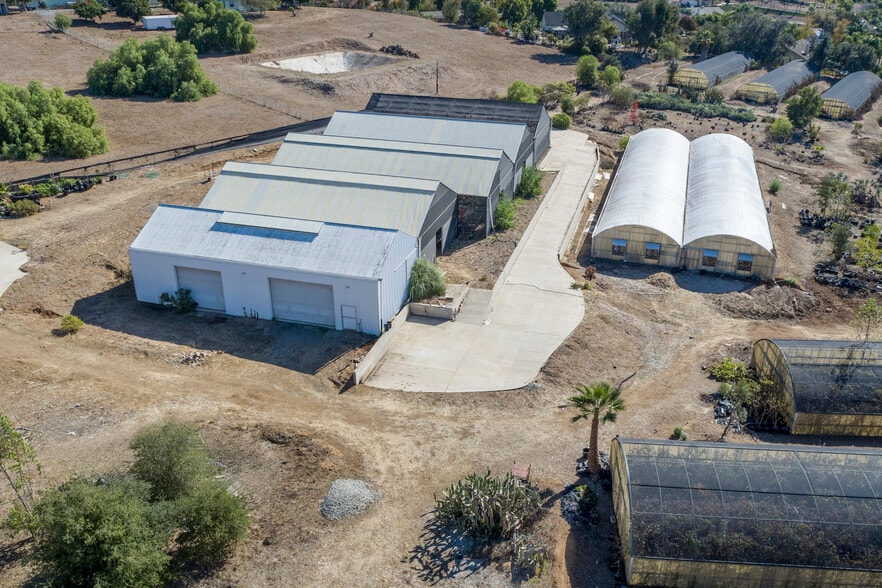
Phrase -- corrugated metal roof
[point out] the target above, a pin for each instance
(788, 75)
(295, 225)
(198, 232)
(465, 170)
(328, 196)
(723, 192)
(854, 89)
(649, 188)
(722, 66)
(420, 129)
(467, 108)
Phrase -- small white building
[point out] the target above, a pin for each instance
(160, 22)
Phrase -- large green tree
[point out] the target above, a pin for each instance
(585, 18)
(212, 27)
(651, 21)
(172, 459)
(513, 11)
(131, 9)
(600, 403)
(90, 10)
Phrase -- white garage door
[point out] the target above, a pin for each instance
(205, 287)
(302, 302)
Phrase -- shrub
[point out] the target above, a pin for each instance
(100, 534)
(567, 105)
(212, 522)
(62, 21)
(22, 208)
(493, 28)
(36, 122)
(172, 459)
(71, 323)
(181, 302)
(775, 186)
(161, 68)
(623, 143)
(488, 507)
(209, 26)
(623, 97)
(729, 370)
(792, 282)
(90, 10)
(520, 91)
(840, 239)
(426, 280)
(782, 129)
(663, 101)
(505, 214)
(556, 92)
(714, 96)
(561, 121)
(48, 189)
(679, 434)
(586, 71)
(530, 185)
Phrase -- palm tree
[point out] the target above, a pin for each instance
(601, 402)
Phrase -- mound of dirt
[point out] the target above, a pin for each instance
(662, 280)
(764, 303)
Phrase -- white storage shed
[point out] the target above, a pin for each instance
(477, 175)
(327, 274)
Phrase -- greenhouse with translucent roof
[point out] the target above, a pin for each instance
(720, 515)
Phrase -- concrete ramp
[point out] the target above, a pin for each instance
(11, 259)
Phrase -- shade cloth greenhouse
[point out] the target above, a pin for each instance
(718, 514)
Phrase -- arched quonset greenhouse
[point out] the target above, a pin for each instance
(778, 84)
(710, 72)
(642, 217)
(851, 95)
(726, 229)
(721, 515)
(827, 387)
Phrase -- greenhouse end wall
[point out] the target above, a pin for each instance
(866, 425)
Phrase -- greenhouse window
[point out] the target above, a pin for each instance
(709, 257)
(653, 250)
(745, 262)
(619, 246)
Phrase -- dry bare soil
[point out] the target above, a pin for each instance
(264, 398)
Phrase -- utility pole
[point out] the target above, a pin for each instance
(437, 77)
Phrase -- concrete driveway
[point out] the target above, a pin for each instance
(11, 258)
(530, 312)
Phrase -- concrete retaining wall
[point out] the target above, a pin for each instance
(370, 362)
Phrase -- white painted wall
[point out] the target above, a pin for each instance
(247, 291)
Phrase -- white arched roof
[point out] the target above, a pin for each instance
(724, 195)
(649, 188)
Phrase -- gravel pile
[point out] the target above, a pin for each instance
(347, 498)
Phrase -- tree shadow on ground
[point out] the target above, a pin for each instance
(562, 59)
(591, 543)
(693, 280)
(12, 553)
(444, 553)
(301, 348)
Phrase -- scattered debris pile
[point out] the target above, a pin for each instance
(813, 220)
(850, 277)
(193, 358)
(399, 51)
(347, 498)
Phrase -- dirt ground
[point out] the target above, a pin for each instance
(265, 398)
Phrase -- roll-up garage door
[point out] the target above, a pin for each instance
(302, 302)
(205, 287)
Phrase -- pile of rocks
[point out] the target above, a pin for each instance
(347, 498)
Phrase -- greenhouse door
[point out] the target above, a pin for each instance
(301, 302)
(205, 287)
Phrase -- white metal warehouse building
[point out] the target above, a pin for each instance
(696, 206)
(332, 275)
(310, 246)
(514, 139)
(477, 175)
(533, 115)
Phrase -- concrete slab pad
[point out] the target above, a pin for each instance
(527, 318)
(11, 259)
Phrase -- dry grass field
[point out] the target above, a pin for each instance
(264, 399)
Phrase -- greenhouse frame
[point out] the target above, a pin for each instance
(698, 514)
(851, 95)
(694, 206)
(778, 84)
(827, 387)
(710, 72)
